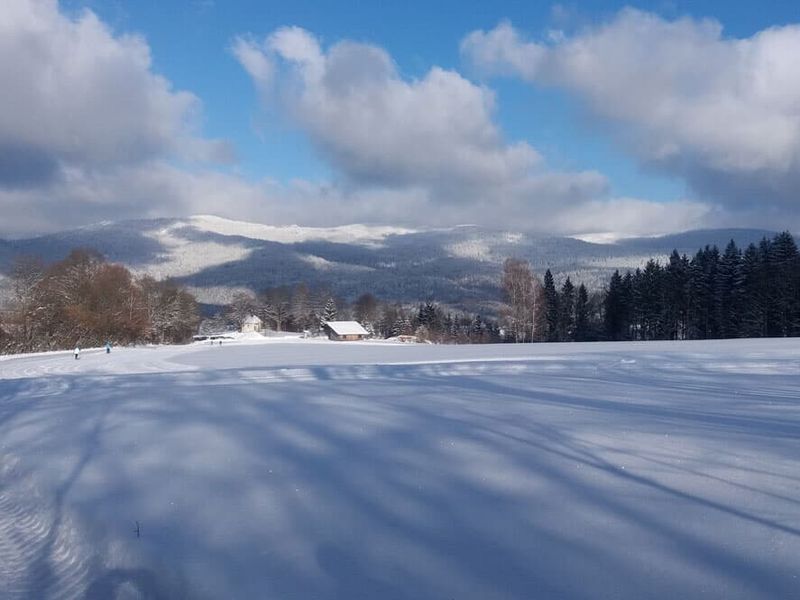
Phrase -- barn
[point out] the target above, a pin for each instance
(345, 331)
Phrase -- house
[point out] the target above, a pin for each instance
(252, 324)
(345, 331)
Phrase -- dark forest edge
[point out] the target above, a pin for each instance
(733, 294)
(83, 300)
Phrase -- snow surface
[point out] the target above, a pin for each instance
(297, 469)
(353, 234)
(182, 256)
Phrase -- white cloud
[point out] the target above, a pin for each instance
(378, 128)
(624, 217)
(75, 95)
(722, 113)
(80, 110)
(503, 51)
(157, 189)
(413, 151)
(89, 132)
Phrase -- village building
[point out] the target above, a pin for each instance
(252, 324)
(345, 331)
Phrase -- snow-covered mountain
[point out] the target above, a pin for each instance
(459, 266)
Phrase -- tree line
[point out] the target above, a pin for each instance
(84, 300)
(301, 308)
(729, 294)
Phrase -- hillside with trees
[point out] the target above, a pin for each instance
(460, 267)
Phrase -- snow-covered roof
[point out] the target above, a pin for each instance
(252, 320)
(347, 328)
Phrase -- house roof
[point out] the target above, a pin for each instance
(346, 328)
(252, 320)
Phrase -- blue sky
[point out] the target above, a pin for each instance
(569, 122)
(190, 40)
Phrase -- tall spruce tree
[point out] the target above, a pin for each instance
(627, 305)
(676, 279)
(581, 314)
(751, 296)
(329, 311)
(726, 292)
(702, 276)
(551, 306)
(650, 301)
(566, 312)
(614, 309)
(782, 259)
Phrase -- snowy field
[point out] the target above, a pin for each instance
(317, 470)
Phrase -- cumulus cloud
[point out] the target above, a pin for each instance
(80, 103)
(376, 127)
(426, 149)
(88, 132)
(722, 113)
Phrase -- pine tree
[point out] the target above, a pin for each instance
(582, 314)
(782, 259)
(477, 328)
(427, 315)
(329, 311)
(566, 312)
(726, 292)
(650, 301)
(407, 327)
(676, 279)
(551, 306)
(614, 309)
(627, 306)
(702, 277)
(454, 328)
(397, 327)
(636, 306)
(751, 296)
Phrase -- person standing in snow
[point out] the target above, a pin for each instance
(77, 352)
(108, 347)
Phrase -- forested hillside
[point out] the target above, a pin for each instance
(460, 267)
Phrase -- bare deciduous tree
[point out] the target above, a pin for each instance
(523, 313)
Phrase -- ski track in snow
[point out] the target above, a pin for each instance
(41, 555)
(305, 469)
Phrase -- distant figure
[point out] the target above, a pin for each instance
(77, 352)
(108, 347)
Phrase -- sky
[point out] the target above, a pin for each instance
(597, 119)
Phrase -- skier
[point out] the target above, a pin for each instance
(108, 347)
(77, 352)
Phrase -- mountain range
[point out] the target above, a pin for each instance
(459, 266)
